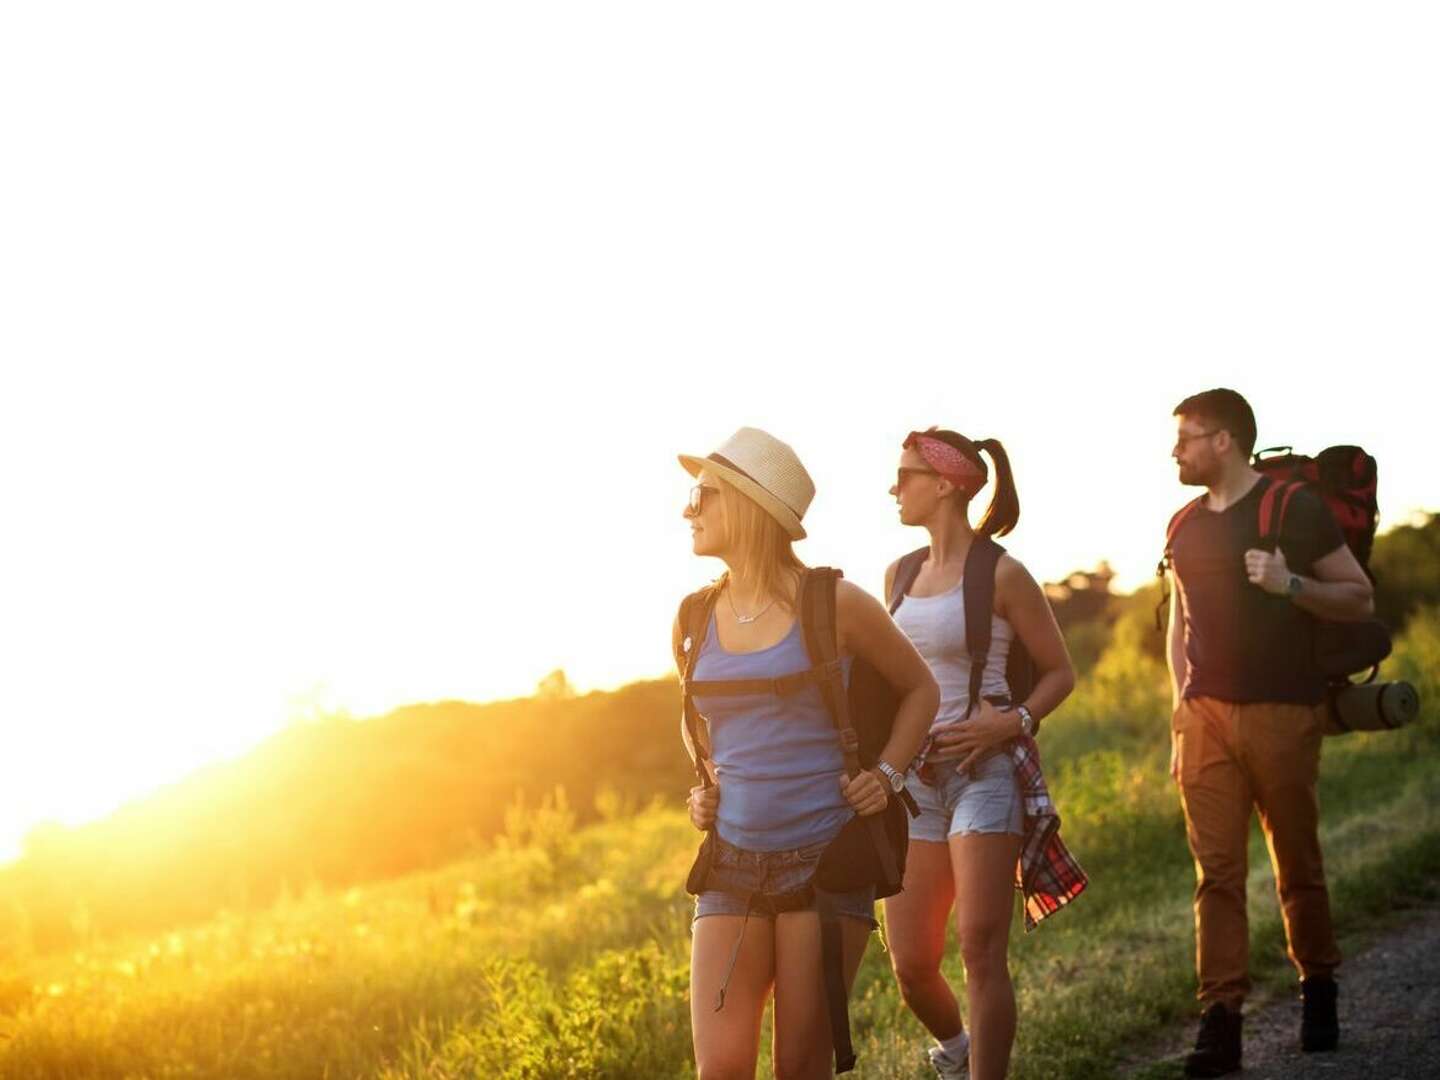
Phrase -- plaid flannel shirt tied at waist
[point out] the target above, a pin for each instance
(1047, 874)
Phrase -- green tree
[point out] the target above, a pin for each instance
(1406, 565)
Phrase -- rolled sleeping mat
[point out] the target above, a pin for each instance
(1377, 706)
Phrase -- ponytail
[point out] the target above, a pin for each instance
(1004, 510)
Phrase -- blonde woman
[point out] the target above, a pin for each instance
(776, 792)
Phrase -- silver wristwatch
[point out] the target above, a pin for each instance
(1027, 721)
(896, 778)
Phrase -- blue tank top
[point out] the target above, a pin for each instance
(778, 759)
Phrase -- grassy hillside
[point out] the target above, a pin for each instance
(556, 951)
(336, 803)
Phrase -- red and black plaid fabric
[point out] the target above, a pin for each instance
(1047, 875)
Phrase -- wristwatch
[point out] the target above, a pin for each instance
(1292, 586)
(1028, 724)
(896, 778)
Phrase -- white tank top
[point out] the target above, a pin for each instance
(936, 625)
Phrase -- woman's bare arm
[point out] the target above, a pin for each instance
(1021, 602)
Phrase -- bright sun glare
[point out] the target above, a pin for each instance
(349, 371)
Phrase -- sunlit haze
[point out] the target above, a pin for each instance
(347, 349)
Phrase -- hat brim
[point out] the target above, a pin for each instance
(742, 483)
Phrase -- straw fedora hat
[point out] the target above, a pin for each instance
(764, 468)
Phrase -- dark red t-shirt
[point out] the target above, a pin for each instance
(1243, 644)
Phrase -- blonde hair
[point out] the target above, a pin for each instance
(763, 549)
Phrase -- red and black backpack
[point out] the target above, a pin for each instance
(1345, 479)
(1343, 476)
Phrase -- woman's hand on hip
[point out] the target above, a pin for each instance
(703, 803)
(866, 794)
(988, 729)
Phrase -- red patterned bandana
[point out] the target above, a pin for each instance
(947, 461)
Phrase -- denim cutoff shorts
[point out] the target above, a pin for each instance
(957, 803)
(735, 873)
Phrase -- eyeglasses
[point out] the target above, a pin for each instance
(1182, 440)
(904, 471)
(697, 497)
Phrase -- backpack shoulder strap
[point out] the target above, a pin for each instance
(820, 627)
(817, 614)
(1176, 520)
(692, 624)
(1179, 518)
(906, 571)
(979, 589)
(1273, 505)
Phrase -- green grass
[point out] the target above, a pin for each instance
(564, 953)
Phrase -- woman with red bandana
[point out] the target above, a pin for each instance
(984, 808)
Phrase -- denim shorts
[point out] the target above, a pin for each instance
(957, 803)
(736, 873)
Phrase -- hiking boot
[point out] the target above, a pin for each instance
(1319, 1026)
(1217, 1046)
(946, 1067)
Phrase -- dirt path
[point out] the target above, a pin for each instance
(1389, 1017)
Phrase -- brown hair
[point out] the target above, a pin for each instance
(1003, 513)
(1226, 410)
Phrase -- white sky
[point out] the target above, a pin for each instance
(346, 348)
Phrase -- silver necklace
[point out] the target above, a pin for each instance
(743, 619)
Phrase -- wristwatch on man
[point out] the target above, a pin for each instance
(1027, 721)
(896, 778)
(1292, 586)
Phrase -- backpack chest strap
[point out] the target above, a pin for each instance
(781, 686)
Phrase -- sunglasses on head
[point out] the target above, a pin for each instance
(697, 496)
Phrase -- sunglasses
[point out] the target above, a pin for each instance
(1184, 440)
(697, 497)
(905, 471)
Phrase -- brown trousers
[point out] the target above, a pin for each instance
(1233, 757)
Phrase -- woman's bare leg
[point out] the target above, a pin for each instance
(915, 921)
(727, 1043)
(984, 869)
(802, 1048)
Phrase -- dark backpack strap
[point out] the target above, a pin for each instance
(820, 625)
(1167, 559)
(693, 624)
(783, 686)
(979, 588)
(1177, 519)
(832, 960)
(906, 571)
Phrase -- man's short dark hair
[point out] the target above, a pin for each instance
(1223, 409)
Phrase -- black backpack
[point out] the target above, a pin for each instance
(869, 850)
(979, 585)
